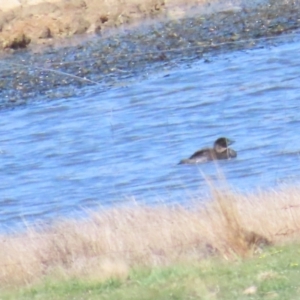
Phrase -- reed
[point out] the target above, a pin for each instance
(109, 243)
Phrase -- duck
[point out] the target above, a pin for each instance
(220, 150)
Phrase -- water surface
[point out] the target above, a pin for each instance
(106, 148)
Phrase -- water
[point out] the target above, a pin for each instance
(60, 158)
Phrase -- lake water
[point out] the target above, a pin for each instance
(106, 148)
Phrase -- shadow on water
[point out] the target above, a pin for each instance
(107, 145)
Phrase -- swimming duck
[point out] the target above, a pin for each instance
(219, 151)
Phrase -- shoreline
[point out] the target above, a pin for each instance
(45, 22)
(62, 67)
(29, 23)
(232, 225)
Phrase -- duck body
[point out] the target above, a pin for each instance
(219, 151)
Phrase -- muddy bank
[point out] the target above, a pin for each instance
(111, 61)
(34, 22)
(25, 22)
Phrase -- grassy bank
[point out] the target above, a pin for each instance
(271, 275)
(113, 243)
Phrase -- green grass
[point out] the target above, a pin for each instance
(275, 274)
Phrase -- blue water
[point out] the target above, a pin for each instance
(60, 158)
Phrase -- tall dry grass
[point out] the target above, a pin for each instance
(110, 242)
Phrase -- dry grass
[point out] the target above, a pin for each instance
(110, 242)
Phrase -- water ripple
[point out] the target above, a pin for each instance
(105, 148)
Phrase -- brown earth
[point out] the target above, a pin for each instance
(47, 21)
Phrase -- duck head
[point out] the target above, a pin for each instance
(221, 145)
